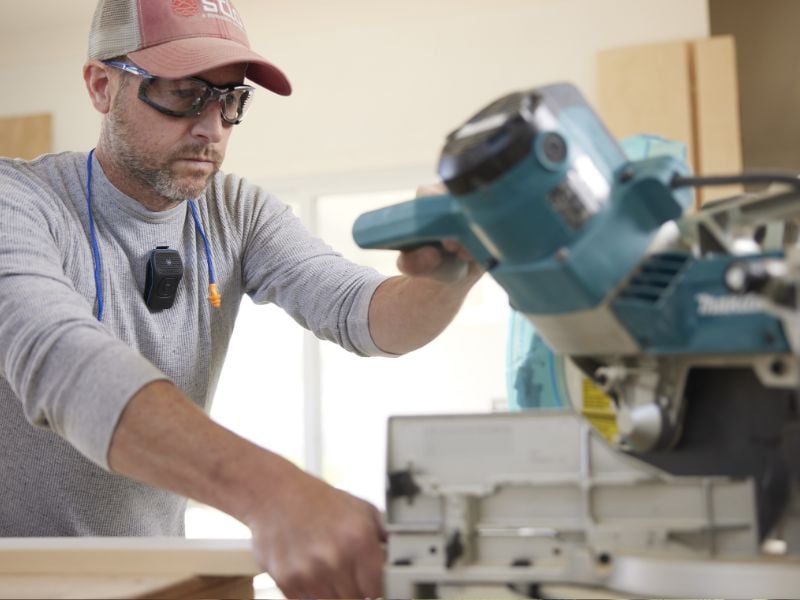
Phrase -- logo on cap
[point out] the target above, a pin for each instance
(219, 9)
(185, 8)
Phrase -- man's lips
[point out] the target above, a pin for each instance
(199, 161)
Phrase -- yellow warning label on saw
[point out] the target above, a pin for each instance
(598, 408)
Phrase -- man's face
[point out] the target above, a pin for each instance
(173, 158)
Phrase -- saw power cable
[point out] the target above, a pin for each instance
(746, 178)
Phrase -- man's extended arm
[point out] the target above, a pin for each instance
(314, 540)
(408, 311)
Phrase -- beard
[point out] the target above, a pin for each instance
(160, 177)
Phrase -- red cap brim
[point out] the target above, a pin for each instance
(189, 56)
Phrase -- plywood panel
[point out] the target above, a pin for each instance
(684, 91)
(86, 587)
(718, 143)
(26, 136)
(646, 89)
(126, 556)
(204, 587)
(122, 567)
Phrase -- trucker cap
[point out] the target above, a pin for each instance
(179, 38)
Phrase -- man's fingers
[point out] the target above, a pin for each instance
(368, 571)
(456, 248)
(431, 189)
(380, 525)
(434, 263)
(419, 261)
(340, 582)
(427, 258)
(452, 245)
(330, 576)
(369, 574)
(340, 556)
(319, 542)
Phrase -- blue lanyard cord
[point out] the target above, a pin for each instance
(213, 294)
(211, 277)
(98, 283)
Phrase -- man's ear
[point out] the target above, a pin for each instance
(99, 85)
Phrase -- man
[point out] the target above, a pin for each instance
(113, 360)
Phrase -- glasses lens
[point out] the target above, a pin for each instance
(235, 103)
(189, 97)
(180, 96)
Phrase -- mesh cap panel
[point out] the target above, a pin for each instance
(115, 29)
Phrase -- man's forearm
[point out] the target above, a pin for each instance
(314, 540)
(165, 440)
(408, 312)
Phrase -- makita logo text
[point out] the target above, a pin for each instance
(708, 305)
(222, 9)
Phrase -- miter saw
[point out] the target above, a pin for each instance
(687, 320)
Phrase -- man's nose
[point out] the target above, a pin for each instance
(209, 125)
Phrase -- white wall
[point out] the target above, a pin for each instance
(378, 83)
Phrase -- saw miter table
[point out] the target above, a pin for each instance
(687, 321)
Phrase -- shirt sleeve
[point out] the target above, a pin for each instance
(70, 373)
(324, 292)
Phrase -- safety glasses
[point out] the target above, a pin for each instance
(189, 97)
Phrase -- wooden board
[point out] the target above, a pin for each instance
(74, 587)
(718, 141)
(27, 136)
(647, 90)
(126, 568)
(204, 587)
(126, 556)
(684, 91)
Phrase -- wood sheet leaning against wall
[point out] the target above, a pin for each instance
(684, 91)
(26, 136)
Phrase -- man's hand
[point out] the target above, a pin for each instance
(319, 542)
(447, 261)
(314, 540)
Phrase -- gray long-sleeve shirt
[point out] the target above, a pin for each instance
(65, 377)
